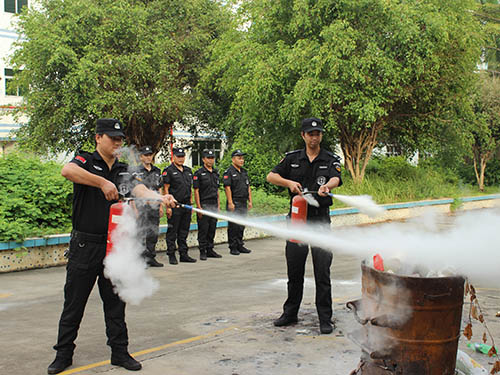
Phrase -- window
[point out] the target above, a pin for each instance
(14, 6)
(9, 88)
(199, 146)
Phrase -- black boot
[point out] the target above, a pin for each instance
(152, 262)
(203, 255)
(244, 250)
(172, 259)
(212, 254)
(125, 360)
(234, 251)
(59, 365)
(285, 320)
(185, 258)
(325, 327)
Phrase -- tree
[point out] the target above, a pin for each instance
(135, 60)
(363, 66)
(485, 124)
(489, 14)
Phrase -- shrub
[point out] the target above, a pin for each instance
(35, 200)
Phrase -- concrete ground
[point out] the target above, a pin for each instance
(213, 317)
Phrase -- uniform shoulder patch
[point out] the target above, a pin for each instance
(81, 159)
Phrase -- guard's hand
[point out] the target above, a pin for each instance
(168, 200)
(110, 191)
(231, 206)
(323, 191)
(199, 214)
(295, 187)
(168, 211)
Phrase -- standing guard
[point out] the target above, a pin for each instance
(206, 196)
(149, 211)
(239, 200)
(177, 180)
(318, 170)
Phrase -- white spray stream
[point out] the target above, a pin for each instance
(470, 247)
(124, 266)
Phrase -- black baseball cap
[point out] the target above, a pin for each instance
(146, 150)
(109, 126)
(178, 151)
(208, 154)
(310, 124)
(237, 152)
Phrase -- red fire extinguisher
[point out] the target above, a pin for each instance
(115, 214)
(299, 212)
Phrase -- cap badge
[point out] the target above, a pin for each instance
(314, 123)
(117, 125)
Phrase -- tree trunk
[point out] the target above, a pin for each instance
(147, 132)
(480, 161)
(357, 148)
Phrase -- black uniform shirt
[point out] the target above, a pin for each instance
(238, 181)
(179, 181)
(208, 184)
(296, 166)
(152, 179)
(90, 206)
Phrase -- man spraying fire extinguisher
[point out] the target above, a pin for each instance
(315, 169)
(99, 178)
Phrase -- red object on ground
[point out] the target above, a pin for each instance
(378, 262)
(299, 211)
(115, 213)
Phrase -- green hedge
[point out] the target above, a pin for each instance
(35, 200)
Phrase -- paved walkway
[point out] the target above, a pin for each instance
(212, 318)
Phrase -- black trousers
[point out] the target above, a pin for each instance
(178, 230)
(235, 231)
(149, 222)
(296, 255)
(86, 254)
(206, 228)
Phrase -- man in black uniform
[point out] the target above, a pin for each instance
(239, 200)
(149, 212)
(98, 178)
(177, 180)
(317, 170)
(206, 196)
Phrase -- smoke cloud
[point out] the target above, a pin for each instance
(432, 246)
(125, 266)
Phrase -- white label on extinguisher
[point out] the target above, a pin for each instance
(295, 210)
(116, 219)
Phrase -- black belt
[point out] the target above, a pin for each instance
(89, 237)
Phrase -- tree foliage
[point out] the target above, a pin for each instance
(134, 60)
(485, 124)
(35, 200)
(363, 66)
(489, 14)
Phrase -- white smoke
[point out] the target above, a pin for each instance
(125, 266)
(469, 246)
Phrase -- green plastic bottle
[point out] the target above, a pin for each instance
(479, 347)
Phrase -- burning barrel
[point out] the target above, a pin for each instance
(410, 325)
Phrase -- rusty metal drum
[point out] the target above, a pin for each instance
(410, 325)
